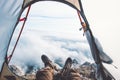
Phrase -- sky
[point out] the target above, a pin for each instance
(103, 17)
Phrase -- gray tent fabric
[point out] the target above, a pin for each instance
(103, 56)
(73, 3)
(9, 13)
(99, 57)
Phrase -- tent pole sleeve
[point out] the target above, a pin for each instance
(19, 35)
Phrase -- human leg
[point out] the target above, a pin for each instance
(47, 72)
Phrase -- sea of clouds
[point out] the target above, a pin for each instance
(58, 46)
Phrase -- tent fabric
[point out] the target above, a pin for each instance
(74, 3)
(9, 13)
(8, 75)
(99, 57)
(103, 56)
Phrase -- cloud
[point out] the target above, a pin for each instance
(57, 46)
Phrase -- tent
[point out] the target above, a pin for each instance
(10, 13)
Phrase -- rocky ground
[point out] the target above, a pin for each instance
(86, 70)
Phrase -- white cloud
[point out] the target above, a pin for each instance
(57, 46)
